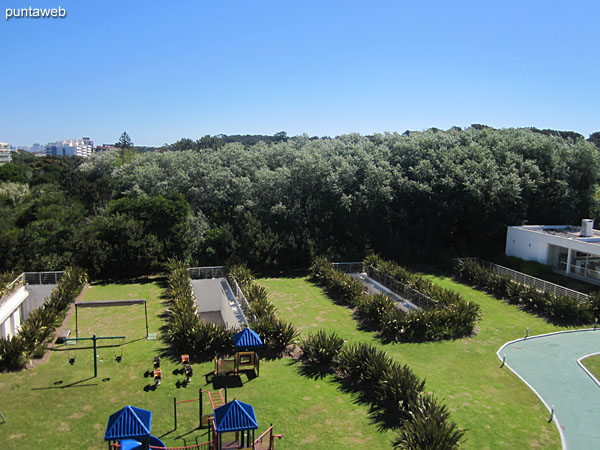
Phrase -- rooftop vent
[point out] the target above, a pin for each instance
(587, 228)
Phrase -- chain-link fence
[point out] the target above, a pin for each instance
(519, 277)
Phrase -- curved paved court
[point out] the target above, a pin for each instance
(548, 363)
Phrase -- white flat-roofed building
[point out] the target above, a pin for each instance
(5, 150)
(72, 147)
(571, 250)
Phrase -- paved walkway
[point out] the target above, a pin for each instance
(373, 287)
(548, 363)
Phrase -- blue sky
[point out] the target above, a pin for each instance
(165, 70)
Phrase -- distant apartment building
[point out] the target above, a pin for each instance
(105, 148)
(73, 147)
(5, 150)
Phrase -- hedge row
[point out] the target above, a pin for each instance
(186, 333)
(454, 317)
(559, 309)
(32, 339)
(393, 393)
(275, 333)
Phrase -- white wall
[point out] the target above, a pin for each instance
(216, 295)
(10, 314)
(208, 294)
(528, 245)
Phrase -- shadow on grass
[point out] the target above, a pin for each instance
(58, 385)
(134, 280)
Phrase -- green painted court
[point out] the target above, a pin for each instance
(549, 365)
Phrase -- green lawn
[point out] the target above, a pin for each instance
(496, 407)
(57, 405)
(593, 365)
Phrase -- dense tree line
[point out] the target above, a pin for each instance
(418, 195)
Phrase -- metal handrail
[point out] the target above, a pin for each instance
(12, 287)
(411, 294)
(214, 271)
(239, 294)
(520, 277)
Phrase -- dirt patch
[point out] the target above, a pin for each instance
(76, 416)
(64, 426)
(16, 436)
(309, 439)
(305, 398)
(98, 426)
(87, 407)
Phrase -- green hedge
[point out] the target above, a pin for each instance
(275, 333)
(562, 310)
(393, 392)
(186, 333)
(452, 318)
(39, 327)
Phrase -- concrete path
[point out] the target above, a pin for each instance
(373, 287)
(548, 364)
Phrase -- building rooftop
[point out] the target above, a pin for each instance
(567, 232)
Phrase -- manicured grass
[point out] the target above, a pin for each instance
(496, 407)
(57, 405)
(593, 365)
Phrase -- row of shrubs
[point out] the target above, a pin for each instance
(37, 330)
(186, 333)
(559, 309)
(392, 391)
(276, 334)
(453, 318)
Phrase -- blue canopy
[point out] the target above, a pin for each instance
(235, 416)
(247, 340)
(127, 423)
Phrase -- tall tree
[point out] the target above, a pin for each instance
(124, 141)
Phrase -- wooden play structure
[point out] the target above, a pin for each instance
(229, 425)
(245, 360)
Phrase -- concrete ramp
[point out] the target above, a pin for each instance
(214, 297)
(373, 287)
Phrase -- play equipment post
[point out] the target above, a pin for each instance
(95, 338)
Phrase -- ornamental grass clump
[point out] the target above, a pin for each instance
(429, 427)
(372, 309)
(320, 351)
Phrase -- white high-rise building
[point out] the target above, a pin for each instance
(5, 150)
(72, 147)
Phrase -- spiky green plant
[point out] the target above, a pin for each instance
(396, 395)
(430, 427)
(12, 353)
(320, 350)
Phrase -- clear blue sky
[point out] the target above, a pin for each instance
(165, 70)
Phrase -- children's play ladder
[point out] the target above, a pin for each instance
(216, 398)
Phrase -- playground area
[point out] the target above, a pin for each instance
(62, 405)
(550, 365)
